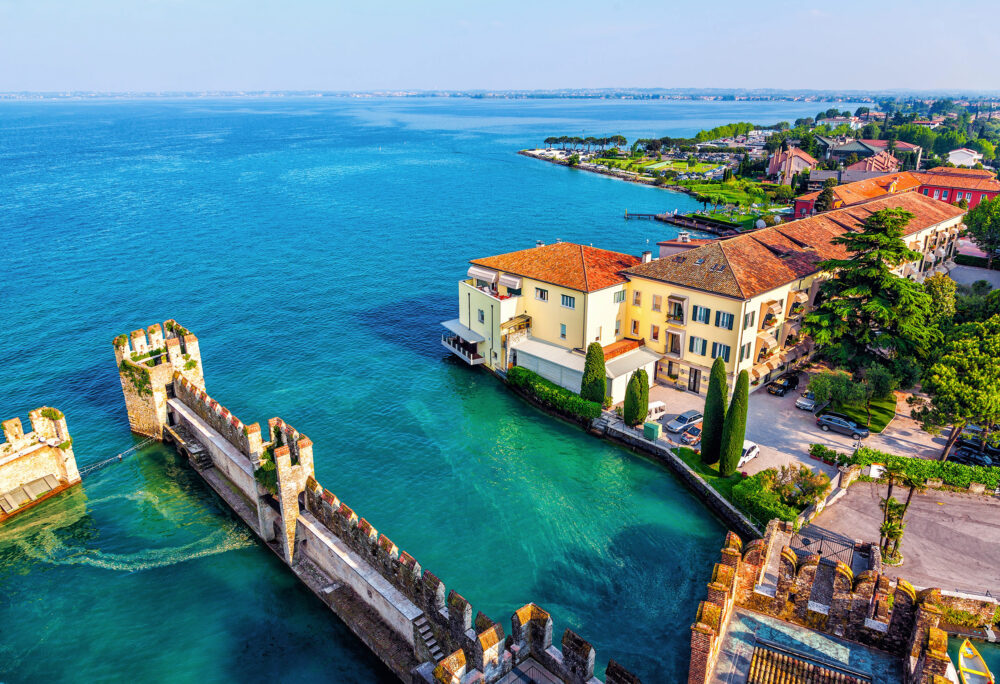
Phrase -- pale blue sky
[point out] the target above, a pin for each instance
(152, 45)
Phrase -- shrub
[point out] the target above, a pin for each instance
(823, 453)
(734, 427)
(553, 396)
(644, 392)
(800, 487)
(950, 473)
(754, 496)
(715, 412)
(52, 414)
(635, 412)
(594, 386)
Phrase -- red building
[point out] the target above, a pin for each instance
(955, 184)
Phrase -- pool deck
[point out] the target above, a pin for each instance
(747, 630)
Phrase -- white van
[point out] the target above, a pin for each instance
(656, 409)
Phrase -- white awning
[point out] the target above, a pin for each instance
(480, 273)
(800, 297)
(767, 339)
(510, 281)
(939, 253)
(630, 361)
(774, 309)
(465, 333)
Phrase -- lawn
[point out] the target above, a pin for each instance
(883, 410)
(710, 473)
(646, 165)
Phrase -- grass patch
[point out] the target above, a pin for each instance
(710, 473)
(883, 410)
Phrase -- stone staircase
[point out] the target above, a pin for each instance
(424, 630)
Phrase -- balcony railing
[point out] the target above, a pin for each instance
(454, 345)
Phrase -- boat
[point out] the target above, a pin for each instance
(971, 666)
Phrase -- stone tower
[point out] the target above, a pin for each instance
(147, 360)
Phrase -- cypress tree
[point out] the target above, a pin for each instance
(643, 392)
(633, 412)
(715, 412)
(594, 386)
(734, 429)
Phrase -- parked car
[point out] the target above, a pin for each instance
(974, 442)
(684, 421)
(967, 456)
(806, 402)
(750, 452)
(692, 435)
(782, 385)
(842, 424)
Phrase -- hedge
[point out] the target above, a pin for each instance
(755, 497)
(552, 395)
(950, 473)
(977, 261)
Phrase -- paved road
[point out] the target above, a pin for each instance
(966, 275)
(952, 541)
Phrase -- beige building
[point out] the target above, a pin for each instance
(540, 308)
(744, 298)
(35, 465)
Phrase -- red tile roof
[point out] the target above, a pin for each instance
(882, 144)
(753, 263)
(577, 267)
(859, 191)
(882, 161)
(960, 179)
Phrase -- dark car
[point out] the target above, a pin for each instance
(967, 456)
(782, 385)
(684, 421)
(692, 435)
(974, 442)
(839, 423)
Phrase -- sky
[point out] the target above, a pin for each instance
(362, 45)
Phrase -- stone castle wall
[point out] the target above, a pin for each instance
(309, 525)
(866, 609)
(46, 452)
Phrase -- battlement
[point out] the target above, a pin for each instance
(37, 464)
(821, 595)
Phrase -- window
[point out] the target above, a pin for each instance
(541, 295)
(926, 191)
(937, 194)
(514, 291)
(482, 316)
(723, 320)
(748, 319)
(635, 327)
(944, 194)
(619, 296)
(696, 345)
(562, 330)
(675, 311)
(483, 283)
(745, 351)
(654, 333)
(657, 303)
(720, 350)
(569, 302)
(700, 313)
(618, 327)
(636, 298)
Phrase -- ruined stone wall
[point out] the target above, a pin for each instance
(46, 450)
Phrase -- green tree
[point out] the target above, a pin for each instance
(574, 159)
(835, 387)
(825, 200)
(941, 289)
(644, 391)
(734, 427)
(869, 314)
(715, 412)
(594, 386)
(963, 385)
(875, 382)
(983, 226)
(634, 412)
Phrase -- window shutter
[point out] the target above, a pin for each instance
(691, 344)
(718, 317)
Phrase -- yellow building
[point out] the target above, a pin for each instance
(744, 298)
(540, 308)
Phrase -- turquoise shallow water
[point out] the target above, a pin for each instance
(313, 246)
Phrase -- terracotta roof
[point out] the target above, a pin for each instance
(779, 159)
(753, 263)
(961, 179)
(618, 348)
(577, 267)
(870, 188)
(686, 243)
(883, 161)
(882, 144)
(768, 666)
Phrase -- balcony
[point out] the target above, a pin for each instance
(462, 349)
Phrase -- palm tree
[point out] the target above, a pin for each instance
(892, 474)
(896, 536)
(916, 485)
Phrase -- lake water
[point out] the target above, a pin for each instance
(314, 245)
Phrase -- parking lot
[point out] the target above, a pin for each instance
(784, 432)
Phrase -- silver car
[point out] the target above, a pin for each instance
(807, 402)
(684, 421)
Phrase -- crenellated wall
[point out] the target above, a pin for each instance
(401, 611)
(35, 465)
(867, 609)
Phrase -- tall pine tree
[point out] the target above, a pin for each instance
(734, 429)
(715, 412)
(594, 386)
(867, 313)
(632, 411)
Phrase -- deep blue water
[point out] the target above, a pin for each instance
(314, 246)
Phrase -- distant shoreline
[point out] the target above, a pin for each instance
(628, 176)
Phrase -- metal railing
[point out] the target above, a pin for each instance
(88, 469)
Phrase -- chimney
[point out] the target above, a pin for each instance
(647, 256)
(683, 236)
(539, 243)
